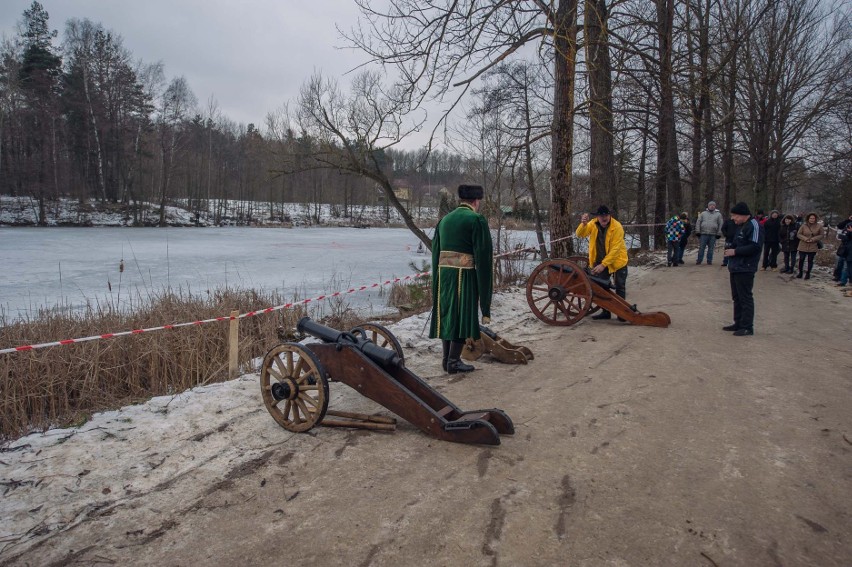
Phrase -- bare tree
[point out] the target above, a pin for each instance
(790, 79)
(353, 132)
(528, 101)
(176, 103)
(441, 47)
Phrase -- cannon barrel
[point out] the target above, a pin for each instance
(383, 356)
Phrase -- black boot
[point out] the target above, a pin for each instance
(604, 314)
(799, 275)
(454, 363)
(808, 275)
(445, 346)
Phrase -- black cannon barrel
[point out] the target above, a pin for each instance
(383, 356)
(325, 334)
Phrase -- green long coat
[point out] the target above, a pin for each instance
(458, 293)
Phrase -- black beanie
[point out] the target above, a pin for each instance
(741, 209)
(471, 192)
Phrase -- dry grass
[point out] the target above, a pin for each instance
(61, 386)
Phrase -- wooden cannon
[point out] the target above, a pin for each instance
(294, 380)
(497, 346)
(563, 291)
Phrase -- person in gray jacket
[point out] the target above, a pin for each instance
(708, 228)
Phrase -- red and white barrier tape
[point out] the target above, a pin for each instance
(536, 247)
(214, 320)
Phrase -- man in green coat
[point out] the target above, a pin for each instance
(462, 259)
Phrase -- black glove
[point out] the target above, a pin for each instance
(718, 236)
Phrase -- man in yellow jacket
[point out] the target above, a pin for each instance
(607, 251)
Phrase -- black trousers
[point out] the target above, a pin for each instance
(809, 256)
(620, 277)
(770, 254)
(620, 280)
(741, 292)
(790, 260)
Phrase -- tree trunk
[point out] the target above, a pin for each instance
(565, 62)
(95, 133)
(641, 189)
(669, 193)
(601, 165)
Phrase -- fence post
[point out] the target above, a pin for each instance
(234, 345)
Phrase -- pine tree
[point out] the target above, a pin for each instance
(39, 78)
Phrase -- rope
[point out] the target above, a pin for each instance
(536, 247)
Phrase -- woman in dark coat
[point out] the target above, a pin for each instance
(789, 242)
(844, 254)
(687, 230)
(771, 241)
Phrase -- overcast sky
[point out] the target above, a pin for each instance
(251, 55)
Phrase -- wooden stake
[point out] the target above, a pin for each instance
(234, 346)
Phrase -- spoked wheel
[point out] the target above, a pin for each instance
(294, 387)
(559, 292)
(382, 337)
(583, 262)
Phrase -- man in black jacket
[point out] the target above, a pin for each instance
(743, 257)
(771, 241)
(841, 229)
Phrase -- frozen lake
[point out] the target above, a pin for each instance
(46, 267)
(74, 266)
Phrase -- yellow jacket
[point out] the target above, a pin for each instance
(616, 251)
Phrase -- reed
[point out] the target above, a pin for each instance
(61, 386)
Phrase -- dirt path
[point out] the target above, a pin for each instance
(634, 446)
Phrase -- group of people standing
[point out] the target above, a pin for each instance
(794, 236)
(709, 227)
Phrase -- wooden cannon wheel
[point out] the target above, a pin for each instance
(559, 292)
(583, 262)
(294, 387)
(382, 337)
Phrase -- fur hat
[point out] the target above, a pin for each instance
(741, 209)
(603, 210)
(471, 192)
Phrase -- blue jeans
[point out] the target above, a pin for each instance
(790, 261)
(844, 272)
(672, 251)
(706, 241)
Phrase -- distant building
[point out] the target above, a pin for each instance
(403, 194)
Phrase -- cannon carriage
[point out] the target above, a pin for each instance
(562, 291)
(295, 378)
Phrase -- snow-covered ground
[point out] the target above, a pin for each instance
(23, 211)
(53, 480)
